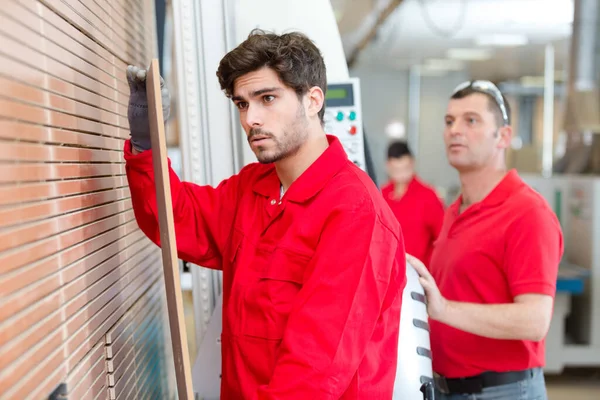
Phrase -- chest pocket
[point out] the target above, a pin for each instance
(269, 299)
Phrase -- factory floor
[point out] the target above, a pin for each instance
(575, 384)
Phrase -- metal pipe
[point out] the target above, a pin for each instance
(548, 132)
(414, 108)
(585, 27)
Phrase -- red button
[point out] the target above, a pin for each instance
(353, 130)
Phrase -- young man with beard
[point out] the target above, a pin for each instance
(492, 277)
(312, 258)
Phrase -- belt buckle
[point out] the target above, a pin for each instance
(441, 384)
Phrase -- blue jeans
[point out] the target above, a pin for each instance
(533, 388)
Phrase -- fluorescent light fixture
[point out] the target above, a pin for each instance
(432, 72)
(469, 54)
(444, 64)
(501, 40)
(532, 81)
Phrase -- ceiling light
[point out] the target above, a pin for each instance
(469, 54)
(501, 40)
(443, 64)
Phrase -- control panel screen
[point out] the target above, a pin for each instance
(339, 95)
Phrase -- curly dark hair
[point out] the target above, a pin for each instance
(293, 56)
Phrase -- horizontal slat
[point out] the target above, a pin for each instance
(17, 258)
(66, 96)
(104, 22)
(129, 19)
(55, 21)
(113, 350)
(90, 391)
(124, 384)
(147, 377)
(10, 129)
(128, 390)
(112, 312)
(44, 116)
(17, 28)
(83, 333)
(10, 216)
(21, 151)
(43, 172)
(12, 89)
(15, 50)
(53, 28)
(111, 283)
(114, 355)
(23, 299)
(88, 369)
(129, 321)
(37, 78)
(120, 364)
(78, 258)
(21, 235)
(70, 13)
(114, 35)
(15, 334)
(50, 190)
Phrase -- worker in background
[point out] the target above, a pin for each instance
(416, 205)
(312, 258)
(491, 280)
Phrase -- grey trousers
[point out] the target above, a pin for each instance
(533, 388)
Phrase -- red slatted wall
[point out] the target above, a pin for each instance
(81, 290)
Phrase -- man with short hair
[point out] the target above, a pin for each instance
(492, 277)
(416, 205)
(312, 258)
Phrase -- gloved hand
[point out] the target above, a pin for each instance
(137, 111)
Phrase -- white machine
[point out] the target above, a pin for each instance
(343, 118)
(574, 336)
(414, 374)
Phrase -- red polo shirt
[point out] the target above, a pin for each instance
(312, 282)
(504, 246)
(421, 213)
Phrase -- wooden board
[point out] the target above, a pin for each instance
(167, 235)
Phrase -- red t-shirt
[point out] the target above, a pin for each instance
(420, 213)
(506, 245)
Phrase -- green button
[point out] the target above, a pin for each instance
(352, 116)
(340, 116)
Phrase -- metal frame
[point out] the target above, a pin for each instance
(206, 120)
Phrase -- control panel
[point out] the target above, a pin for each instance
(343, 118)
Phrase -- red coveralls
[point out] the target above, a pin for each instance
(312, 282)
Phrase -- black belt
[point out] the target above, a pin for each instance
(476, 384)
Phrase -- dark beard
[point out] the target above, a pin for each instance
(288, 144)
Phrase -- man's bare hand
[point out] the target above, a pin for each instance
(436, 303)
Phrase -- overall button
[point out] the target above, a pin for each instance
(273, 202)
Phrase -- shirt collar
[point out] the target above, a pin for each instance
(332, 160)
(503, 190)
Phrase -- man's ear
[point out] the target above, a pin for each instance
(505, 135)
(316, 101)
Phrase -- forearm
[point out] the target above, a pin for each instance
(512, 321)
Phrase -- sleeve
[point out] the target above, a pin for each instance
(534, 248)
(435, 215)
(357, 272)
(435, 219)
(202, 214)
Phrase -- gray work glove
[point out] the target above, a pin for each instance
(137, 111)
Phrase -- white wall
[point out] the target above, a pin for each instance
(385, 98)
